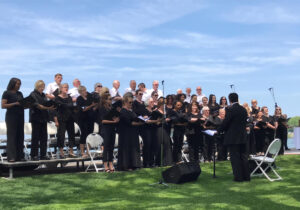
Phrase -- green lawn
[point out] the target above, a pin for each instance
(131, 190)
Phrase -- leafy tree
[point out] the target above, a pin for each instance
(294, 121)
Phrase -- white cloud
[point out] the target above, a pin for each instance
(293, 56)
(263, 14)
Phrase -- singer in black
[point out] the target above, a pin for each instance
(193, 132)
(129, 148)
(14, 119)
(109, 118)
(64, 120)
(85, 103)
(38, 116)
(178, 120)
(234, 126)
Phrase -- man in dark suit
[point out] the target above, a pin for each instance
(234, 126)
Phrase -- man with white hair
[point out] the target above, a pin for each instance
(74, 91)
(179, 91)
(114, 92)
(155, 85)
(199, 95)
(131, 88)
(188, 95)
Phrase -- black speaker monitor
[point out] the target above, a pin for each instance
(181, 173)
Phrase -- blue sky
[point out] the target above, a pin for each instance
(252, 44)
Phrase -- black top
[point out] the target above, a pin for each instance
(213, 110)
(234, 125)
(13, 97)
(64, 108)
(270, 119)
(82, 103)
(139, 108)
(107, 114)
(36, 114)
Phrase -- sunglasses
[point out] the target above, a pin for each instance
(99, 86)
(130, 102)
(155, 95)
(140, 94)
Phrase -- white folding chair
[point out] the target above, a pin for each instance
(52, 131)
(96, 128)
(115, 153)
(184, 150)
(269, 159)
(93, 145)
(27, 141)
(2, 140)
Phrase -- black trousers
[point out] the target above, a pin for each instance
(62, 128)
(239, 162)
(150, 145)
(178, 136)
(86, 127)
(221, 148)
(15, 136)
(208, 147)
(38, 139)
(194, 142)
(282, 134)
(108, 133)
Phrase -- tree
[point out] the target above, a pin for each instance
(294, 122)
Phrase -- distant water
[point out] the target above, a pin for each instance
(291, 143)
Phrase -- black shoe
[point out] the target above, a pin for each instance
(44, 158)
(35, 158)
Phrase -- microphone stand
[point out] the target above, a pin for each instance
(232, 88)
(161, 182)
(273, 96)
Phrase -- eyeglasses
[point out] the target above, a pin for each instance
(223, 98)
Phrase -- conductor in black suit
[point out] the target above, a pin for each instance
(234, 126)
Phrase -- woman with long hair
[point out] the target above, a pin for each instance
(14, 119)
(281, 129)
(223, 102)
(109, 120)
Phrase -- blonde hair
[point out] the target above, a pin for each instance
(81, 88)
(61, 85)
(38, 84)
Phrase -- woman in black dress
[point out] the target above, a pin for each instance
(163, 136)
(129, 148)
(282, 129)
(64, 120)
(193, 132)
(38, 116)
(85, 103)
(14, 119)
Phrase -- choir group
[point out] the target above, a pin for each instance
(161, 122)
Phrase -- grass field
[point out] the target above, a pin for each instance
(131, 190)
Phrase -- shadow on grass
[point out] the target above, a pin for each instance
(131, 190)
